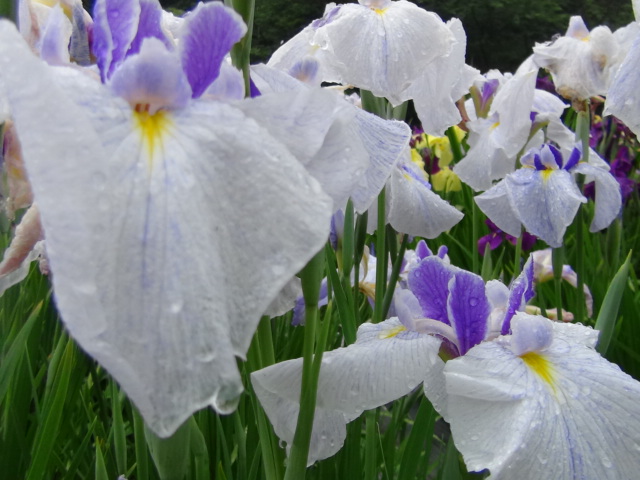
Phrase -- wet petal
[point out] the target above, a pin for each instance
(156, 230)
(414, 209)
(115, 26)
(545, 203)
(385, 363)
(546, 411)
(206, 37)
(608, 196)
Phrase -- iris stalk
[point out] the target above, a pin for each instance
(311, 277)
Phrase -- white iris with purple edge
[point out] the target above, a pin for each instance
(544, 197)
(391, 358)
(521, 393)
(168, 233)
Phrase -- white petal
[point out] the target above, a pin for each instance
(622, 98)
(385, 363)
(166, 245)
(608, 196)
(383, 51)
(582, 421)
(495, 204)
(415, 210)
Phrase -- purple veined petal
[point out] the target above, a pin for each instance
(115, 26)
(422, 250)
(54, 43)
(429, 282)
(520, 293)
(207, 35)
(152, 78)
(149, 26)
(468, 309)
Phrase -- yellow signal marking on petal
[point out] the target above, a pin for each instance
(152, 127)
(541, 366)
(392, 332)
(380, 11)
(494, 126)
(546, 173)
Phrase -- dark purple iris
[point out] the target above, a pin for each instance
(497, 236)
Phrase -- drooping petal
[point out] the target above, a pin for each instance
(545, 202)
(156, 230)
(206, 37)
(435, 92)
(561, 409)
(608, 196)
(494, 203)
(413, 208)
(386, 362)
(622, 98)
(382, 50)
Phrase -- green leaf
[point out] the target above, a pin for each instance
(609, 311)
(49, 424)
(418, 444)
(10, 361)
(170, 455)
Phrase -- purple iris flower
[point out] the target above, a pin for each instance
(496, 236)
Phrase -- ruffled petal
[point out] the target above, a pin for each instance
(383, 50)
(385, 363)
(608, 196)
(163, 254)
(494, 203)
(414, 209)
(561, 409)
(545, 203)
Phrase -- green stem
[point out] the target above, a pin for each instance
(381, 260)
(311, 277)
(241, 51)
(395, 273)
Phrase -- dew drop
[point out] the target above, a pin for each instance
(473, 302)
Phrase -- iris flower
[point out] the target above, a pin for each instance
(443, 306)
(378, 45)
(525, 397)
(582, 62)
(543, 195)
(168, 233)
